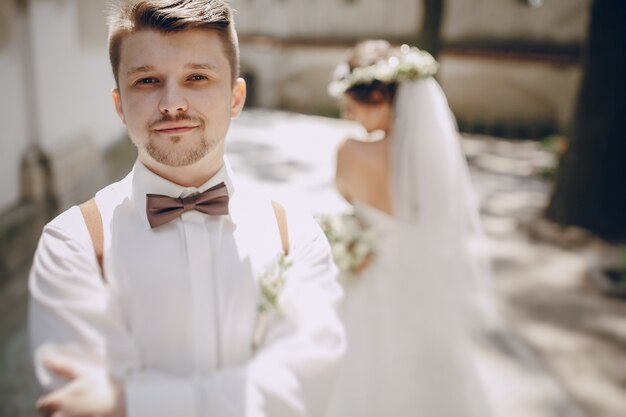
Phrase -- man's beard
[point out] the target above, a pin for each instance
(179, 158)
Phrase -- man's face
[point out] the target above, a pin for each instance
(175, 95)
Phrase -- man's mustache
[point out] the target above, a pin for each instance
(176, 118)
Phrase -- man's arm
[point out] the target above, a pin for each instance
(75, 329)
(290, 374)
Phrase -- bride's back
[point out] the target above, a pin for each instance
(363, 172)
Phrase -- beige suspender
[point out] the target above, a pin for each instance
(93, 221)
(281, 219)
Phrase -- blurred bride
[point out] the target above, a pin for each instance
(410, 309)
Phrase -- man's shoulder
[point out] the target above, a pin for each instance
(301, 224)
(65, 220)
(115, 193)
(67, 228)
(71, 220)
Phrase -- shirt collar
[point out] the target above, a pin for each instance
(147, 182)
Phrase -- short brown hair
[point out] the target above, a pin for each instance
(169, 16)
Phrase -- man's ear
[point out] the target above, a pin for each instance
(238, 98)
(117, 100)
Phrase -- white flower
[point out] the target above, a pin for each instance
(410, 65)
(393, 62)
(384, 72)
(272, 281)
(351, 242)
(271, 284)
(337, 88)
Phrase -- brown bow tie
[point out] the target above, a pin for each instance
(162, 209)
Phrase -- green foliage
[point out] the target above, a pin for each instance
(551, 144)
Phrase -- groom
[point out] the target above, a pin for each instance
(173, 293)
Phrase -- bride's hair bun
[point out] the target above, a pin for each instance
(365, 54)
(370, 52)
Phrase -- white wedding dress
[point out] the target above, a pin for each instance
(410, 314)
(408, 353)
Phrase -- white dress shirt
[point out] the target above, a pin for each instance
(176, 316)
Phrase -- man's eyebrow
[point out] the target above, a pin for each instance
(209, 67)
(192, 66)
(143, 68)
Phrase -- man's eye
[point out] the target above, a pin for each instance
(148, 80)
(198, 78)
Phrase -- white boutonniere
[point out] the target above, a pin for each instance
(271, 285)
(351, 241)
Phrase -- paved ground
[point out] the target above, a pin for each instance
(577, 333)
(564, 350)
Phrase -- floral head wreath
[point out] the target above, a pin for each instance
(410, 65)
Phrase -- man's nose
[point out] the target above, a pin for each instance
(173, 100)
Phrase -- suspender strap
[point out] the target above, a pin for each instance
(281, 220)
(93, 221)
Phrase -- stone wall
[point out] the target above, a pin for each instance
(17, 132)
(57, 116)
(508, 68)
(518, 96)
(557, 22)
(327, 19)
(513, 97)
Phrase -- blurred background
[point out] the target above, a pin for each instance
(537, 87)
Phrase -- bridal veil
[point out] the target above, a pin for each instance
(434, 201)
